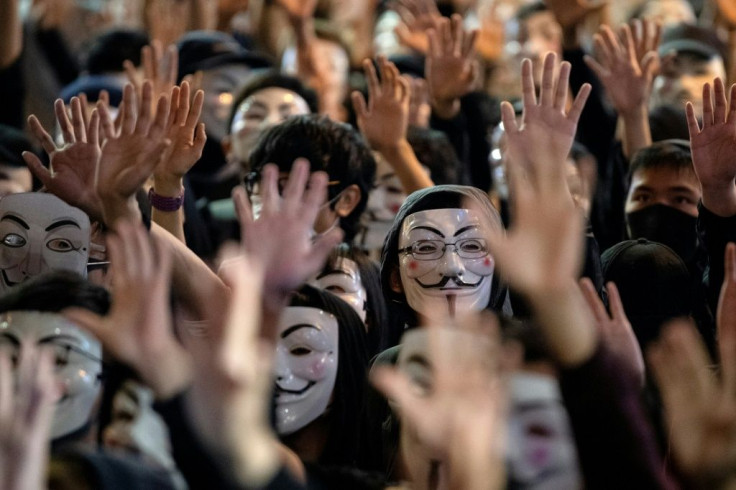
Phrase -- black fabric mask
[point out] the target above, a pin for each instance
(667, 225)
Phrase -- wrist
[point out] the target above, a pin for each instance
(115, 209)
(169, 373)
(720, 199)
(172, 186)
(446, 108)
(633, 113)
(391, 149)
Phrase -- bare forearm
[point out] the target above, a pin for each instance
(566, 323)
(408, 169)
(720, 199)
(203, 15)
(190, 275)
(636, 131)
(11, 32)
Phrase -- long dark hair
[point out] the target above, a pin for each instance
(351, 380)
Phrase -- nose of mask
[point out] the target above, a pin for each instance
(667, 225)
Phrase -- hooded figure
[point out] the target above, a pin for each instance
(474, 266)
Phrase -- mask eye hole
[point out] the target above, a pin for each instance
(300, 351)
(471, 246)
(14, 240)
(60, 245)
(335, 289)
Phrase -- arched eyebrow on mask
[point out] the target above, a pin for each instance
(59, 224)
(464, 229)
(429, 228)
(15, 219)
(293, 329)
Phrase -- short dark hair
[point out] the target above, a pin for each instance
(110, 49)
(530, 9)
(434, 150)
(330, 146)
(54, 291)
(671, 154)
(273, 79)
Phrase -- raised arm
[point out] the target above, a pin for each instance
(383, 121)
(626, 65)
(11, 32)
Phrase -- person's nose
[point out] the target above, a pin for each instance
(33, 265)
(451, 264)
(281, 369)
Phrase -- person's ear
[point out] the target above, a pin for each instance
(226, 144)
(349, 199)
(395, 281)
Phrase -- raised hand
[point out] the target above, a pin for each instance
(281, 238)
(384, 120)
(417, 17)
(542, 254)
(459, 420)
(130, 155)
(547, 129)
(233, 381)
(71, 175)
(700, 409)
(449, 67)
(27, 401)
(187, 138)
(138, 329)
(419, 108)
(728, 11)
(624, 69)
(571, 13)
(492, 33)
(298, 9)
(160, 68)
(615, 328)
(714, 148)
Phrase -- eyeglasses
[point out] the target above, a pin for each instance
(253, 179)
(466, 248)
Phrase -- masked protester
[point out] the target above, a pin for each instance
(320, 377)
(38, 233)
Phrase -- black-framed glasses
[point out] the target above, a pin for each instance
(466, 248)
(252, 182)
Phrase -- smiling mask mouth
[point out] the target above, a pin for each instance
(280, 390)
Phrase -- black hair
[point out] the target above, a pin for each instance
(668, 122)
(13, 143)
(434, 150)
(274, 79)
(437, 197)
(377, 324)
(110, 49)
(671, 154)
(54, 291)
(350, 384)
(333, 147)
(530, 9)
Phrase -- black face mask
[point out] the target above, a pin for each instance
(667, 225)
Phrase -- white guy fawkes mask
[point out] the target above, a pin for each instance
(443, 256)
(541, 451)
(40, 232)
(306, 366)
(136, 427)
(343, 280)
(78, 362)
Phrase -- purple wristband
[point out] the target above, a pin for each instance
(166, 204)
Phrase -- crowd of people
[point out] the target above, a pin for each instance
(337, 244)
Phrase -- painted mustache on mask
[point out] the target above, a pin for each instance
(455, 279)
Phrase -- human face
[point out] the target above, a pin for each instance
(343, 280)
(78, 362)
(40, 232)
(460, 275)
(681, 80)
(219, 84)
(661, 185)
(538, 35)
(259, 112)
(306, 366)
